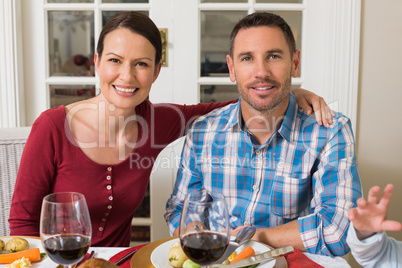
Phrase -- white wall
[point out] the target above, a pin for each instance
(379, 127)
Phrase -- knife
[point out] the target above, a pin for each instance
(125, 257)
(263, 257)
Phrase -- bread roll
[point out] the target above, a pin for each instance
(97, 263)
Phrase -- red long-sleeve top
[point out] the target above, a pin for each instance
(52, 162)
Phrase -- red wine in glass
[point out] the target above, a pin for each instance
(204, 227)
(204, 247)
(65, 227)
(67, 249)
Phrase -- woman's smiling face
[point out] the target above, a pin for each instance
(126, 68)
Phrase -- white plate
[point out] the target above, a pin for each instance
(33, 243)
(159, 256)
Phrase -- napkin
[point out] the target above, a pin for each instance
(121, 254)
(297, 259)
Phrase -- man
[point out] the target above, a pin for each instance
(367, 239)
(277, 168)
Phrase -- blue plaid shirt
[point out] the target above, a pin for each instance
(304, 171)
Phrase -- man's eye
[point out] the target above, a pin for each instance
(143, 64)
(246, 59)
(274, 57)
(114, 60)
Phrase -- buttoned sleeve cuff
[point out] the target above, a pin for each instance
(330, 243)
(172, 215)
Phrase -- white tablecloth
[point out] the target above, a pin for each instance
(107, 252)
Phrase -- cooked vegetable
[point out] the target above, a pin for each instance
(245, 253)
(32, 254)
(1, 245)
(21, 263)
(190, 264)
(16, 244)
(176, 256)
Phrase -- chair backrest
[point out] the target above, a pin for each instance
(12, 142)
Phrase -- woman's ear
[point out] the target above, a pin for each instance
(157, 70)
(96, 62)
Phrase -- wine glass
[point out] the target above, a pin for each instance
(204, 227)
(65, 227)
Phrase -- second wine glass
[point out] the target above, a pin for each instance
(65, 227)
(204, 227)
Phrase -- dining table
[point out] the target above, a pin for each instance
(142, 257)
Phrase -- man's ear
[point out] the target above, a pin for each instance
(296, 64)
(231, 68)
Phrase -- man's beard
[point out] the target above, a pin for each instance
(278, 97)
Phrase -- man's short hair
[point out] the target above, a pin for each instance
(258, 19)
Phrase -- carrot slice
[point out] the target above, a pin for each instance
(33, 254)
(244, 254)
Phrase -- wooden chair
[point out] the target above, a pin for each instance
(12, 142)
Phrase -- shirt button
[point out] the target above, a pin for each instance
(109, 207)
(110, 197)
(108, 177)
(254, 187)
(109, 169)
(245, 223)
(258, 152)
(103, 219)
(108, 187)
(107, 214)
(101, 229)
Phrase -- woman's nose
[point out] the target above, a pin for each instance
(127, 73)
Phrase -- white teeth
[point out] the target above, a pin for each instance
(127, 90)
(263, 88)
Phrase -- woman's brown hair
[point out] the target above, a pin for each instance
(137, 23)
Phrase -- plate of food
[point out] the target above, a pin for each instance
(160, 255)
(15, 244)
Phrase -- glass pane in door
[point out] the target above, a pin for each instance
(70, 1)
(279, 1)
(218, 93)
(71, 43)
(66, 94)
(216, 27)
(125, 1)
(224, 1)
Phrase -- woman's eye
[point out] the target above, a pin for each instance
(143, 64)
(114, 60)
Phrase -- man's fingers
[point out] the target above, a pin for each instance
(352, 214)
(373, 195)
(361, 203)
(386, 195)
(391, 226)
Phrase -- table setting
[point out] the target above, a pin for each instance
(204, 240)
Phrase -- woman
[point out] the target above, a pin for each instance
(105, 147)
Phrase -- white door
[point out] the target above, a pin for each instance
(327, 32)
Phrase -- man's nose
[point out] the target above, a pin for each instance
(262, 68)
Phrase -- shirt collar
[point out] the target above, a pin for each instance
(286, 127)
